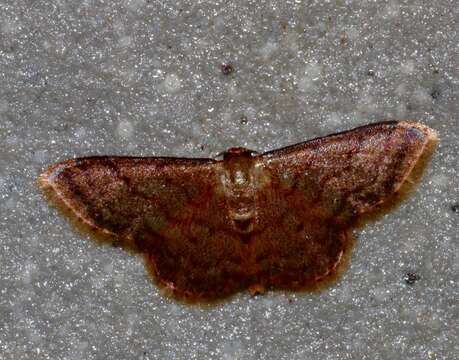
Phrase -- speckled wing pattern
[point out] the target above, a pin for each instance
(210, 228)
(168, 209)
(319, 188)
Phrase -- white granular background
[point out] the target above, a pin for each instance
(143, 77)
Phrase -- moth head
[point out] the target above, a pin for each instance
(237, 152)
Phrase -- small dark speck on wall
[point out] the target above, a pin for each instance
(410, 278)
(435, 94)
(455, 208)
(227, 69)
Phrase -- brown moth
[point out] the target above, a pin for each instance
(209, 228)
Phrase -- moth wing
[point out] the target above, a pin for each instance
(315, 190)
(170, 209)
(349, 173)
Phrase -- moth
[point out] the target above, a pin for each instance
(209, 228)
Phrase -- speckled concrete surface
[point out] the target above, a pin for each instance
(144, 78)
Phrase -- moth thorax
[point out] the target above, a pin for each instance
(238, 183)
